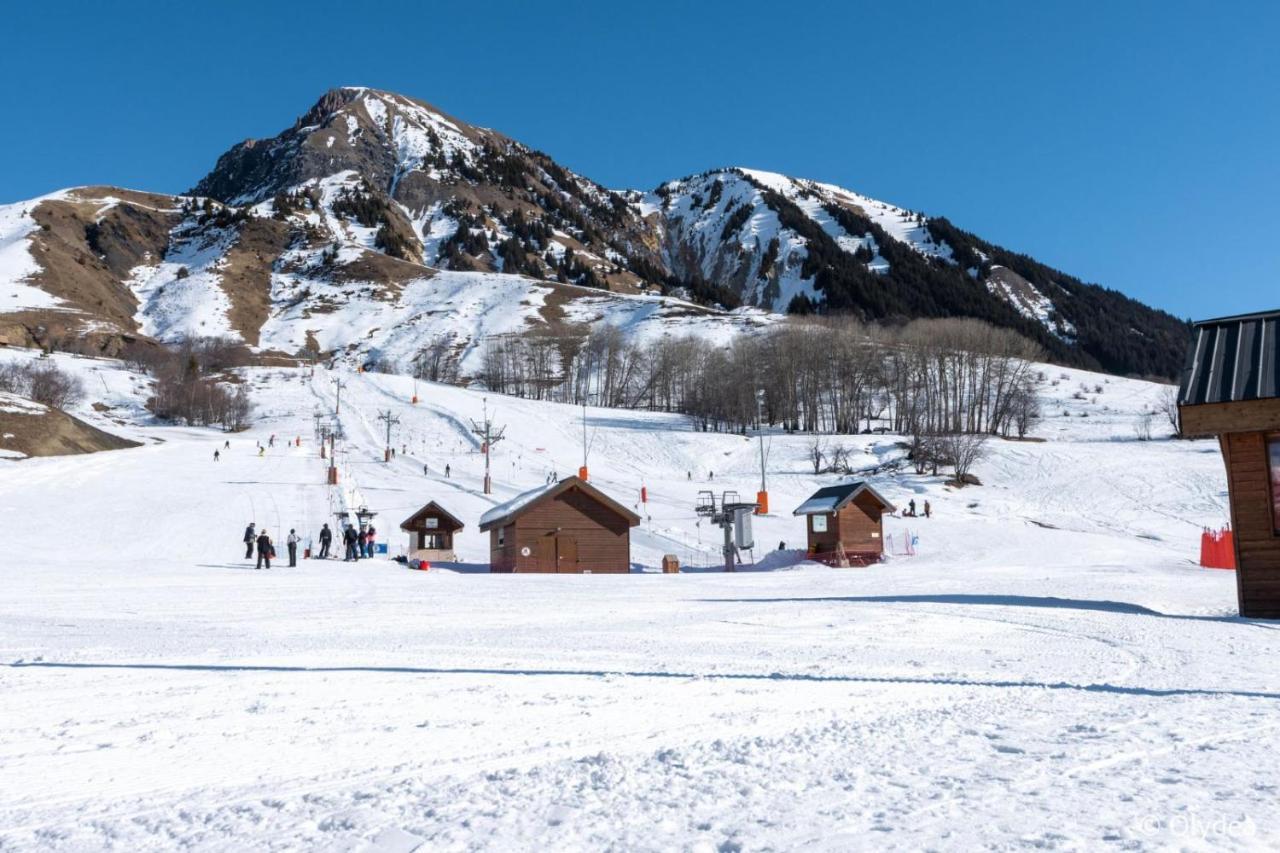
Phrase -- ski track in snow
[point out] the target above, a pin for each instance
(1071, 687)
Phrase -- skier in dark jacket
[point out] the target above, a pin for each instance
(349, 540)
(249, 536)
(265, 550)
(326, 536)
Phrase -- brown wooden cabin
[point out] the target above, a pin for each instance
(844, 524)
(431, 531)
(1231, 389)
(569, 526)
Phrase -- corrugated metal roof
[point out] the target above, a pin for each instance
(1233, 359)
(831, 498)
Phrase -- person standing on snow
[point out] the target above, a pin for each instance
(215, 454)
(292, 544)
(326, 536)
(265, 550)
(226, 445)
(446, 472)
(927, 509)
(349, 540)
(271, 442)
(249, 536)
(370, 541)
(911, 508)
(261, 450)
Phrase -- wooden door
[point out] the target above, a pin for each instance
(566, 554)
(544, 554)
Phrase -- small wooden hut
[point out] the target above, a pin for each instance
(431, 531)
(845, 524)
(569, 526)
(1231, 389)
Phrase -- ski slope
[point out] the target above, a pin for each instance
(1049, 670)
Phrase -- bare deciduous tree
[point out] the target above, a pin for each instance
(42, 382)
(1142, 426)
(963, 451)
(819, 375)
(817, 453)
(1167, 405)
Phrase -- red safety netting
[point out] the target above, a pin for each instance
(1218, 549)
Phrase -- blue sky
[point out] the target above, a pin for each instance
(1130, 144)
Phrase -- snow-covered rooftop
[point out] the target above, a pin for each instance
(831, 498)
(517, 503)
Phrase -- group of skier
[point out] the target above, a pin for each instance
(359, 544)
(260, 541)
(910, 511)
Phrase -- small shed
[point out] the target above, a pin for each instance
(431, 532)
(569, 526)
(844, 523)
(1231, 389)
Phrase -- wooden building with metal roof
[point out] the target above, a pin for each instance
(845, 523)
(1231, 388)
(431, 530)
(566, 527)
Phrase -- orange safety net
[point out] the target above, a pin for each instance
(1218, 549)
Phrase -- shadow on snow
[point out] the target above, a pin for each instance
(680, 676)
(1049, 602)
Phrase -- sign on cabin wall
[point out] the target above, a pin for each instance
(432, 523)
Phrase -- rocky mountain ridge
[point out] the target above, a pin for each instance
(328, 237)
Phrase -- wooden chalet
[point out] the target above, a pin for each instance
(845, 524)
(1231, 389)
(431, 531)
(569, 526)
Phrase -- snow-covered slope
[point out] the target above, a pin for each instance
(369, 191)
(730, 226)
(1049, 669)
(17, 266)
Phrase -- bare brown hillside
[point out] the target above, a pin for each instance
(31, 429)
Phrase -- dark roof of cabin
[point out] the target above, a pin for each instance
(433, 508)
(1233, 359)
(831, 498)
(502, 514)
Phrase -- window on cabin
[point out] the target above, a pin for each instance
(819, 523)
(1273, 459)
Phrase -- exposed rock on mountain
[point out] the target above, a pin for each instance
(376, 227)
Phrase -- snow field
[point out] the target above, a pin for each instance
(1050, 670)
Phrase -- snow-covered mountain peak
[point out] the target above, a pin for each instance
(375, 187)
